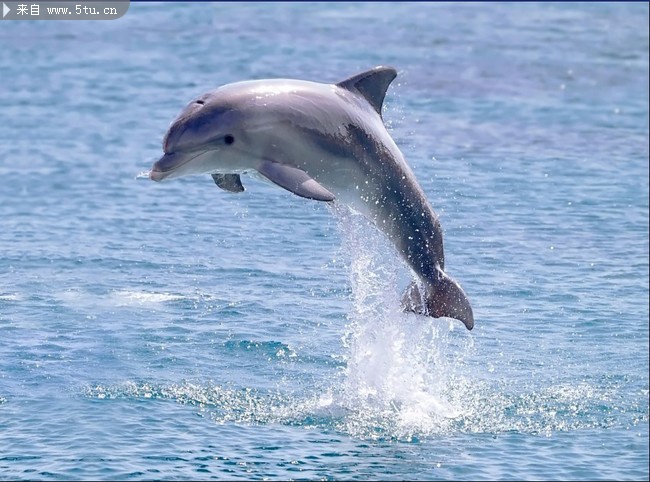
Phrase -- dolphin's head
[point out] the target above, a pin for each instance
(203, 138)
(233, 128)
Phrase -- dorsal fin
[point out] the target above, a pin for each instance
(372, 85)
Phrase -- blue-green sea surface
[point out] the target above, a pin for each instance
(176, 331)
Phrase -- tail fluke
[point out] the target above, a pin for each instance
(445, 298)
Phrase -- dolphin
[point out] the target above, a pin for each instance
(326, 142)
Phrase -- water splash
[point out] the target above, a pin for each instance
(10, 297)
(143, 175)
(397, 371)
(493, 410)
(129, 297)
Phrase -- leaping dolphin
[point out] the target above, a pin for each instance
(325, 142)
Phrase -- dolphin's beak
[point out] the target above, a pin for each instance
(155, 175)
(169, 165)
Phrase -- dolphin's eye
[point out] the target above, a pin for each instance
(229, 139)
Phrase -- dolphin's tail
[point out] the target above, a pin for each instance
(445, 298)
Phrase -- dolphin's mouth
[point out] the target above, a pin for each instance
(170, 163)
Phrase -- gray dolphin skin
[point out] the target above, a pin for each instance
(325, 142)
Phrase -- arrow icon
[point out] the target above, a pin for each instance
(5, 10)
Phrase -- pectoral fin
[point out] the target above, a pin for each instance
(228, 182)
(294, 180)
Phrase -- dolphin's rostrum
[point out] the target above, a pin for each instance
(324, 142)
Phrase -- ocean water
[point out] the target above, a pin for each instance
(175, 331)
